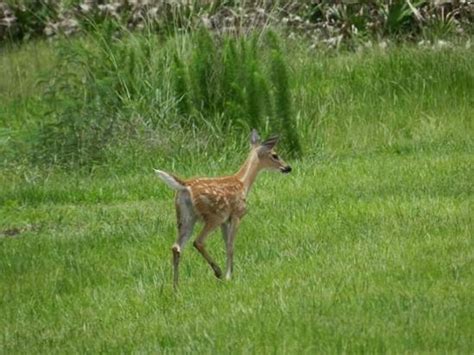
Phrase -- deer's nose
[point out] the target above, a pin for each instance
(286, 169)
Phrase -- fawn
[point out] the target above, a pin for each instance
(218, 202)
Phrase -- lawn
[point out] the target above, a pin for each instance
(366, 247)
(358, 253)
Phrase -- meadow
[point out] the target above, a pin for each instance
(365, 247)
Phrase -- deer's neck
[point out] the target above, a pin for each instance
(248, 171)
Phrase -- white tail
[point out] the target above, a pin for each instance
(170, 180)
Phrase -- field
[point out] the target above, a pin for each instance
(365, 247)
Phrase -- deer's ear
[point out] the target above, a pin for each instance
(254, 137)
(270, 143)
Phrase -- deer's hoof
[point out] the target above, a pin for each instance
(217, 272)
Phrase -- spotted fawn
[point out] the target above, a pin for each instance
(219, 202)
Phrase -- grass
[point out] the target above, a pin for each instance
(377, 100)
(360, 254)
(365, 247)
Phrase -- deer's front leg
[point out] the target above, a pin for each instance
(199, 245)
(229, 230)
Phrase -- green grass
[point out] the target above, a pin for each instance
(361, 254)
(399, 99)
(365, 248)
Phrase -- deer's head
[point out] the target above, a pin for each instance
(267, 156)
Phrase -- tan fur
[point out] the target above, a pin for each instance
(216, 200)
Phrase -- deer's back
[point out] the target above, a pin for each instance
(216, 199)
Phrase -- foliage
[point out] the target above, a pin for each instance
(282, 96)
(103, 99)
(93, 94)
(103, 81)
(227, 78)
(330, 22)
(21, 20)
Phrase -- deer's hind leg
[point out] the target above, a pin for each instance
(186, 219)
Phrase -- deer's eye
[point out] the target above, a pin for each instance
(275, 156)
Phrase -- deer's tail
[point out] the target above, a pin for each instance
(171, 181)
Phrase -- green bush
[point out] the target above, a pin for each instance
(331, 22)
(100, 84)
(244, 81)
(104, 81)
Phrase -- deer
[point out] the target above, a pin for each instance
(218, 202)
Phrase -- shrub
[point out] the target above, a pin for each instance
(100, 83)
(223, 82)
(238, 79)
(327, 21)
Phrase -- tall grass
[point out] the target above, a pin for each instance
(103, 82)
(112, 97)
(106, 89)
(282, 96)
(229, 78)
